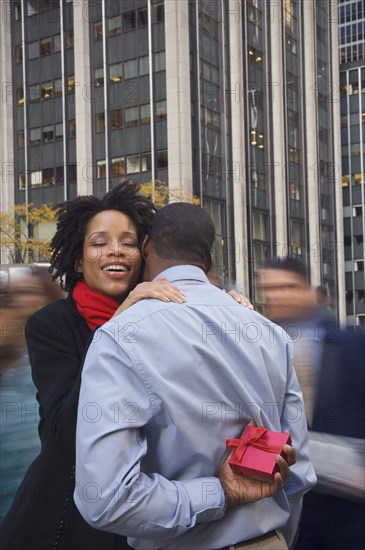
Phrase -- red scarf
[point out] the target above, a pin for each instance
(94, 307)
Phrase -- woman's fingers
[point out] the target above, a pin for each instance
(240, 298)
(160, 290)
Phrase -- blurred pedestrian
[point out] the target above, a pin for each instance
(30, 289)
(291, 303)
(330, 368)
(334, 514)
(27, 293)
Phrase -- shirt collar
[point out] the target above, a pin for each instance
(183, 272)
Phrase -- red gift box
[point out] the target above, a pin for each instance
(255, 452)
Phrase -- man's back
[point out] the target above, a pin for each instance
(186, 378)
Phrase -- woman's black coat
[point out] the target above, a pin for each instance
(43, 515)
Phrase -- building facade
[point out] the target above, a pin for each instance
(234, 102)
(352, 91)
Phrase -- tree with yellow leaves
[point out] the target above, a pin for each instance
(161, 195)
(20, 230)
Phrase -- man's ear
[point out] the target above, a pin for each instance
(208, 264)
(145, 247)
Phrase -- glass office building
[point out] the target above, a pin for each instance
(231, 101)
(352, 90)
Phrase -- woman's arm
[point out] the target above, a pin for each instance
(160, 289)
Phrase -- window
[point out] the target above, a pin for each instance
(22, 182)
(116, 119)
(100, 122)
(20, 95)
(72, 128)
(129, 20)
(98, 31)
(161, 112)
(294, 155)
(162, 161)
(118, 166)
(359, 265)
(142, 17)
(72, 172)
(18, 15)
(146, 162)
(35, 136)
(143, 67)
(18, 53)
(34, 92)
(116, 72)
(71, 84)
(212, 165)
(47, 90)
(58, 87)
(115, 25)
(69, 39)
(46, 46)
(159, 60)
(36, 178)
(291, 44)
(295, 191)
(21, 139)
(359, 178)
(32, 7)
(145, 117)
(33, 49)
(211, 118)
(260, 226)
(133, 164)
(59, 130)
(131, 68)
(357, 211)
(158, 13)
(59, 174)
(48, 134)
(131, 116)
(99, 77)
(49, 177)
(101, 169)
(45, 5)
(57, 43)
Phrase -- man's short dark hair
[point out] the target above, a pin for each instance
(294, 264)
(182, 231)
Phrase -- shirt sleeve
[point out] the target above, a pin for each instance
(112, 493)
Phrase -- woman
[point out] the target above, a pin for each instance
(96, 255)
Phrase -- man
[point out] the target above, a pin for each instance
(291, 302)
(164, 386)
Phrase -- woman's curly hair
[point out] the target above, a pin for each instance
(74, 216)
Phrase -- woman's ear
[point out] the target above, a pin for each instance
(78, 266)
(145, 247)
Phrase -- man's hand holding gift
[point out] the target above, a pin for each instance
(241, 488)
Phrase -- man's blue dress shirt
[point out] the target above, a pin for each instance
(163, 386)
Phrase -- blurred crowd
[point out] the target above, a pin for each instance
(26, 290)
(329, 363)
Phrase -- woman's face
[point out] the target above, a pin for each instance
(111, 259)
